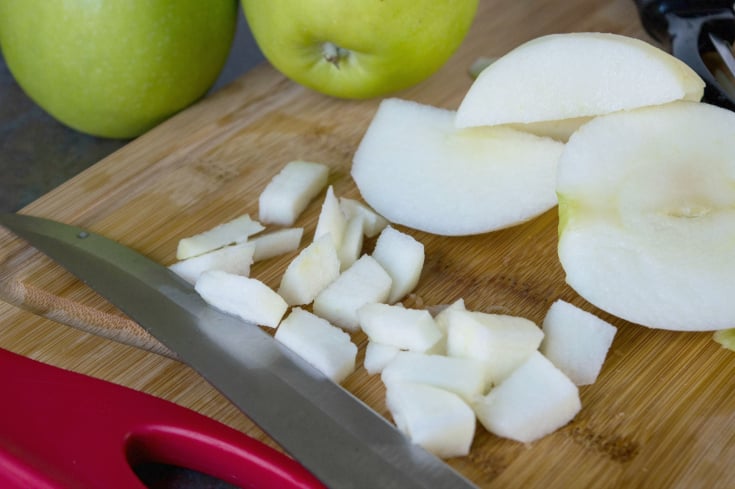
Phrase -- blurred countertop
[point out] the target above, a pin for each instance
(37, 153)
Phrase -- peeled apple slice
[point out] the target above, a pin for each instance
(563, 76)
(415, 168)
(647, 215)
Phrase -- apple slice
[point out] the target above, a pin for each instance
(276, 243)
(236, 231)
(378, 355)
(535, 400)
(415, 168)
(563, 76)
(323, 345)
(433, 418)
(352, 242)
(290, 191)
(647, 215)
(463, 376)
(315, 267)
(245, 297)
(331, 220)
(500, 342)
(407, 329)
(402, 256)
(576, 341)
(373, 223)
(234, 259)
(364, 282)
(441, 319)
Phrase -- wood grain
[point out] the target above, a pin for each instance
(662, 413)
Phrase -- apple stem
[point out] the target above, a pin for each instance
(333, 53)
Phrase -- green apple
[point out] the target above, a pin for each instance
(357, 48)
(115, 68)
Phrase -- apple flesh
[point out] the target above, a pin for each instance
(235, 259)
(235, 231)
(363, 283)
(323, 345)
(378, 355)
(116, 68)
(576, 341)
(315, 267)
(247, 298)
(357, 49)
(289, 192)
(646, 201)
(416, 169)
(535, 400)
(373, 223)
(567, 76)
(433, 418)
(402, 256)
(408, 329)
(276, 243)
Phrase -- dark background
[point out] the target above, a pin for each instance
(37, 153)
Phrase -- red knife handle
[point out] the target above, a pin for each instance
(61, 429)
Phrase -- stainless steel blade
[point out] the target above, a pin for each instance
(333, 434)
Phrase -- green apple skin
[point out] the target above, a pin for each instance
(116, 68)
(382, 46)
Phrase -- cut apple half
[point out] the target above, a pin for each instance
(563, 76)
(415, 168)
(647, 215)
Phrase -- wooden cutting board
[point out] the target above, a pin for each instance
(662, 413)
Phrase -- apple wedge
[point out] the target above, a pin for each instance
(566, 76)
(404, 328)
(647, 215)
(415, 168)
(402, 256)
(315, 267)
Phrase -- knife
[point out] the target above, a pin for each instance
(333, 434)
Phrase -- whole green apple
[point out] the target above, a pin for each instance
(115, 68)
(358, 48)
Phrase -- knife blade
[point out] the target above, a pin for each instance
(337, 437)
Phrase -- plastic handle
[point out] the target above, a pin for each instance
(61, 429)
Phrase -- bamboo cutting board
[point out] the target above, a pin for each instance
(662, 413)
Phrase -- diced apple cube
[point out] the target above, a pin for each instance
(315, 267)
(576, 341)
(378, 355)
(234, 259)
(332, 220)
(535, 400)
(352, 241)
(407, 329)
(402, 256)
(463, 376)
(433, 418)
(276, 243)
(364, 282)
(373, 223)
(290, 191)
(236, 231)
(501, 342)
(248, 298)
(323, 345)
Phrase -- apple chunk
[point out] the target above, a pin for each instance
(235, 231)
(323, 345)
(290, 191)
(233, 259)
(436, 419)
(402, 256)
(534, 401)
(647, 215)
(576, 341)
(565, 76)
(315, 267)
(415, 168)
